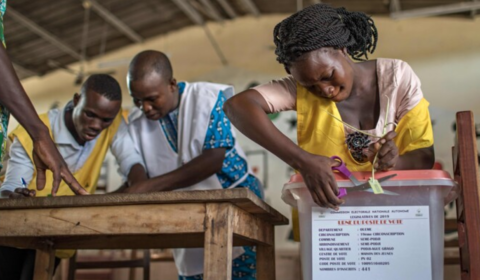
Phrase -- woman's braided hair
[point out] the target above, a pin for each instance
(321, 25)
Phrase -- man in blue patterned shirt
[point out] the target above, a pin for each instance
(187, 143)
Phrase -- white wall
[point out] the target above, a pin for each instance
(451, 81)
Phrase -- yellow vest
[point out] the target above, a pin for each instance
(87, 175)
(319, 133)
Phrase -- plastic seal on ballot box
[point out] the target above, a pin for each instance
(289, 197)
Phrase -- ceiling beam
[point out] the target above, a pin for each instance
(47, 36)
(113, 20)
(474, 11)
(197, 18)
(212, 10)
(203, 10)
(189, 11)
(215, 46)
(24, 70)
(436, 11)
(251, 7)
(228, 8)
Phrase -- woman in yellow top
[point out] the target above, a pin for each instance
(342, 107)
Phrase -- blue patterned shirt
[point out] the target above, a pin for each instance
(219, 135)
(169, 123)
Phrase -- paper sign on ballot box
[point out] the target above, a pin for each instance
(369, 243)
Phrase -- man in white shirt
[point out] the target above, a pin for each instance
(187, 143)
(83, 131)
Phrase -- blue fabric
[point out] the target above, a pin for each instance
(181, 87)
(3, 7)
(169, 123)
(235, 167)
(219, 135)
(243, 267)
(254, 185)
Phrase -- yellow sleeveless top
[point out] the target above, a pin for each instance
(87, 175)
(319, 133)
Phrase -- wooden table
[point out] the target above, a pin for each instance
(215, 220)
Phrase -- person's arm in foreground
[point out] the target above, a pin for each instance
(45, 154)
(248, 113)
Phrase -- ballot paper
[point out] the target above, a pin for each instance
(369, 243)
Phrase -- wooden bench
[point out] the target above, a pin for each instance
(215, 220)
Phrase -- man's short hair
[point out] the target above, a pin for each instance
(146, 61)
(104, 85)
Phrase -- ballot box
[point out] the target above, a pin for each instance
(375, 236)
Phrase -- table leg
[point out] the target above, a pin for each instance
(72, 267)
(146, 264)
(218, 242)
(44, 263)
(266, 261)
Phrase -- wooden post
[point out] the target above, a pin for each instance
(132, 270)
(146, 264)
(44, 263)
(465, 168)
(266, 260)
(218, 241)
(72, 267)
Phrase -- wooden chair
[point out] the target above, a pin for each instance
(465, 167)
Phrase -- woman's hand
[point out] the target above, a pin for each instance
(387, 152)
(318, 176)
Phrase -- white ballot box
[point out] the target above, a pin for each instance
(375, 236)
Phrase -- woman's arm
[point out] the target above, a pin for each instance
(248, 113)
(418, 159)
